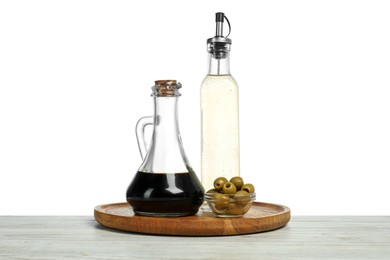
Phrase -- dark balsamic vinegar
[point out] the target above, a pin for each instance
(165, 194)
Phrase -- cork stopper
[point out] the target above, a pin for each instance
(166, 88)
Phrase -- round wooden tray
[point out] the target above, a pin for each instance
(261, 217)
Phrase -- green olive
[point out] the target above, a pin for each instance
(244, 209)
(237, 181)
(248, 188)
(229, 188)
(221, 201)
(242, 198)
(235, 210)
(212, 191)
(219, 182)
(239, 210)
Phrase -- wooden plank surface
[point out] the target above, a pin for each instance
(75, 237)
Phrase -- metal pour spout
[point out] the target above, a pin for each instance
(219, 45)
(219, 17)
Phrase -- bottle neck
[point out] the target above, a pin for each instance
(166, 153)
(165, 116)
(219, 66)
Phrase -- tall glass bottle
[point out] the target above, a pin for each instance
(220, 145)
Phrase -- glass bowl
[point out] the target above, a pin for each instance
(229, 205)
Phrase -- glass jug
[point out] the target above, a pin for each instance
(165, 184)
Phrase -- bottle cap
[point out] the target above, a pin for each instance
(166, 88)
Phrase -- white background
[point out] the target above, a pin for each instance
(314, 83)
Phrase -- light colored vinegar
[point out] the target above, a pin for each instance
(220, 129)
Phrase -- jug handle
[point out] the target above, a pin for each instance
(140, 133)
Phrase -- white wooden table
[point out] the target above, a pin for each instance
(75, 237)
